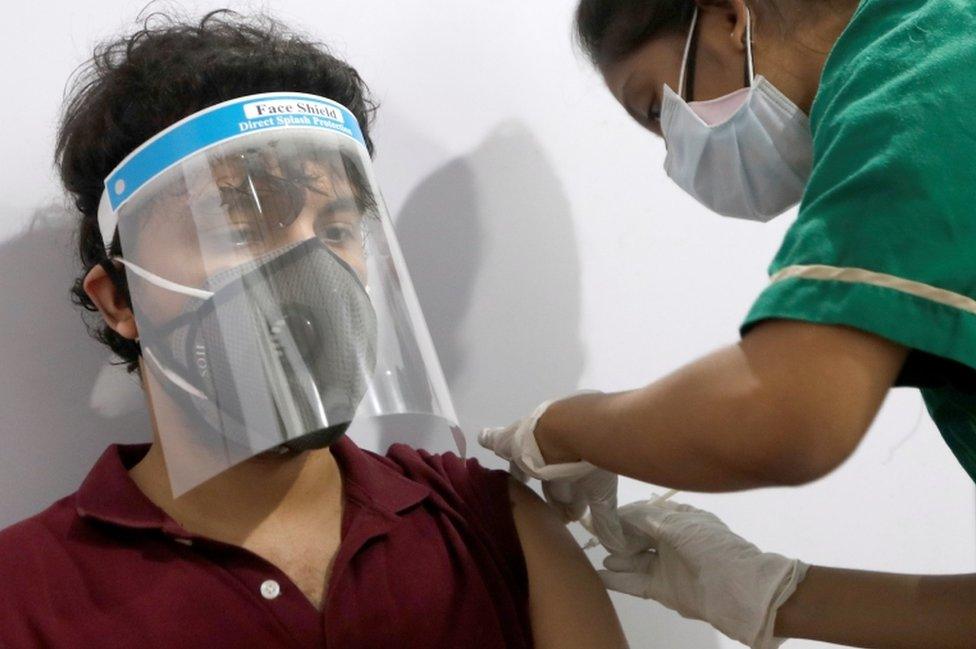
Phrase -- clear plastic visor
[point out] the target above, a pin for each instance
(273, 306)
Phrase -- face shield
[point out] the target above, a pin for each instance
(273, 305)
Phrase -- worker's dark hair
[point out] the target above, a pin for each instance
(139, 84)
(611, 30)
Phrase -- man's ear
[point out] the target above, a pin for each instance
(735, 13)
(110, 302)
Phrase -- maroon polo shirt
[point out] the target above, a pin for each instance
(429, 558)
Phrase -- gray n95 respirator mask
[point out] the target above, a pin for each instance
(299, 312)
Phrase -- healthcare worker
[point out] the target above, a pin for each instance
(865, 114)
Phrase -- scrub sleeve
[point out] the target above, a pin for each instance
(885, 240)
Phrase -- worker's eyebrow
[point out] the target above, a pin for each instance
(626, 98)
(640, 114)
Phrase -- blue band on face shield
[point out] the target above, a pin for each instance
(221, 123)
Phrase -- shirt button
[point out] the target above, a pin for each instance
(270, 589)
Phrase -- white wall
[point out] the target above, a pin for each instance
(548, 248)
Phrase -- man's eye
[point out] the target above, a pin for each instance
(654, 113)
(336, 233)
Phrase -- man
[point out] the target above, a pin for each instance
(264, 305)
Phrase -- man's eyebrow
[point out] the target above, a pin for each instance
(342, 204)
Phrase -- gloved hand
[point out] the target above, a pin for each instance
(696, 566)
(570, 487)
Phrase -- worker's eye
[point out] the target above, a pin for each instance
(653, 113)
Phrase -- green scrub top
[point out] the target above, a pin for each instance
(885, 240)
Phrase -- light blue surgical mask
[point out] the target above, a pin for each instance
(747, 154)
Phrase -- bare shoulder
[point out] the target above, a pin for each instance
(568, 603)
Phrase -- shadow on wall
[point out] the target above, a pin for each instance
(61, 403)
(490, 244)
(492, 251)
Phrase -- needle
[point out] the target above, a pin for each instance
(667, 495)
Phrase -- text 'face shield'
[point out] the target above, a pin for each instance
(273, 306)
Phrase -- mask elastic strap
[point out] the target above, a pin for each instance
(172, 376)
(684, 59)
(163, 283)
(750, 69)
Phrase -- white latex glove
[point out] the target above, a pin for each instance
(571, 488)
(699, 568)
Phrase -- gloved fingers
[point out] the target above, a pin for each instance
(488, 437)
(641, 562)
(646, 518)
(517, 473)
(586, 520)
(658, 518)
(567, 512)
(592, 500)
(638, 575)
(689, 513)
(667, 505)
(608, 528)
(599, 485)
(614, 531)
(498, 440)
(630, 583)
(530, 457)
(564, 500)
(634, 542)
(559, 491)
(630, 544)
(685, 508)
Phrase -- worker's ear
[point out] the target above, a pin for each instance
(110, 301)
(733, 13)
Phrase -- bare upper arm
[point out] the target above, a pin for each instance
(826, 382)
(569, 606)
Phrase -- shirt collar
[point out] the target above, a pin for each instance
(375, 481)
(109, 494)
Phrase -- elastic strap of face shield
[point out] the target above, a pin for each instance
(115, 274)
(107, 222)
(107, 227)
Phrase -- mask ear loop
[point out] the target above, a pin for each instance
(108, 228)
(750, 71)
(162, 282)
(687, 63)
(684, 58)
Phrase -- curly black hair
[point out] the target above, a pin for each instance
(139, 84)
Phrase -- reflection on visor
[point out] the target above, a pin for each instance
(262, 181)
(254, 201)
